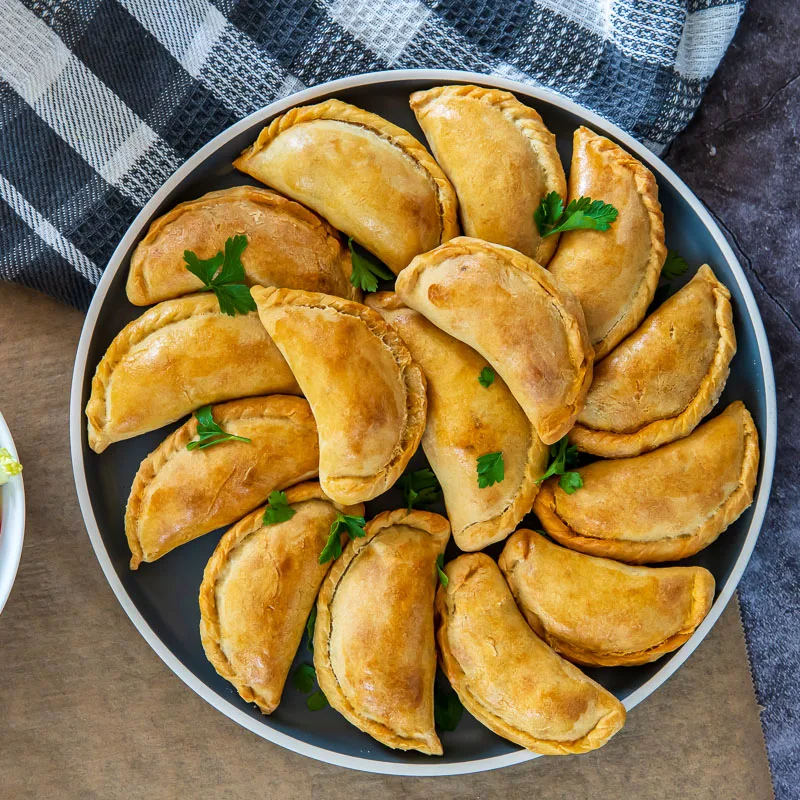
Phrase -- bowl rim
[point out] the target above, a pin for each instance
(12, 532)
(229, 708)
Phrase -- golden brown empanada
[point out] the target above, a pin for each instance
(515, 315)
(179, 494)
(366, 176)
(613, 273)
(506, 676)
(598, 612)
(257, 592)
(500, 158)
(661, 506)
(287, 245)
(659, 383)
(367, 395)
(374, 648)
(177, 357)
(466, 420)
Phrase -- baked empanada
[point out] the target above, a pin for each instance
(500, 158)
(661, 506)
(374, 648)
(367, 395)
(287, 245)
(659, 383)
(613, 273)
(179, 494)
(506, 676)
(516, 315)
(257, 592)
(177, 357)
(366, 176)
(466, 420)
(598, 612)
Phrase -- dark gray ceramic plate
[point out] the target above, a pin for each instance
(161, 598)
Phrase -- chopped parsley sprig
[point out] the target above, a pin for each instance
(420, 488)
(443, 579)
(563, 455)
(366, 268)
(210, 432)
(278, 509)
(491, 469)
(353, 526)
(224, 275)
(304, 677)
(584, 213)
(486, 378)
(447, 708)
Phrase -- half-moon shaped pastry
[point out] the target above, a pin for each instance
(177, 357)
(500, 158)
(367, 395)
(614, 273)
(598, 612)
(659, 383)
(517, 316)
(661, 506)
(465, 421)
(506, 676)
(179, 494)
(257, 592)
(374, 648)
(287, 245)
(366, 176)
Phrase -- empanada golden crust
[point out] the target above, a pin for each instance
(506, 676)
(613, 273)
(517, 316)
(466, 420)
(366, 392)
(258, 589)
(468, 127)
(659, 383)
(178, 356)
(661, 506)
(374, 648)
(366, 176)
(598, 612)
(179, 494)
(287, 245)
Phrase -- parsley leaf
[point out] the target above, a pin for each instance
(486, 378)
(443, 579)
(316, 701)
(447, 708)
(563, 455)
(310, 625)
(420, 488)
(303, 678)
(228, 284)
(674, 266)
(353, 526)
(491, 469)
(584, 213)
(366, 268)
(209, 432)
(278, 509)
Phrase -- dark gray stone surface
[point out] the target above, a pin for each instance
(741, 155)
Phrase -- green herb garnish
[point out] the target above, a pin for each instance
(491, 469)
(443, 579)
(310, 625)
(316, 701)
(366, 268)
(303, 678)
(563, 455)
(420, 488)
(583, 213)
(278, 509)
(228, 284)
(674, 266)
(447, 708)
(486, 378)
(209, 432)
(354, 526)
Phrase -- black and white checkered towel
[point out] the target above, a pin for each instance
(101, 100)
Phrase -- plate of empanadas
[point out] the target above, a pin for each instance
(424, 423)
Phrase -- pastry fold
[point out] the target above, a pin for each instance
(257, 592)
(598, 612)
(374, 649)
(661, 506)
(506, 676)
(179, 494)
(369, 178)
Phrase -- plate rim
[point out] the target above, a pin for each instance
(227, 707)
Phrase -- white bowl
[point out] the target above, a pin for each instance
(13, 525)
